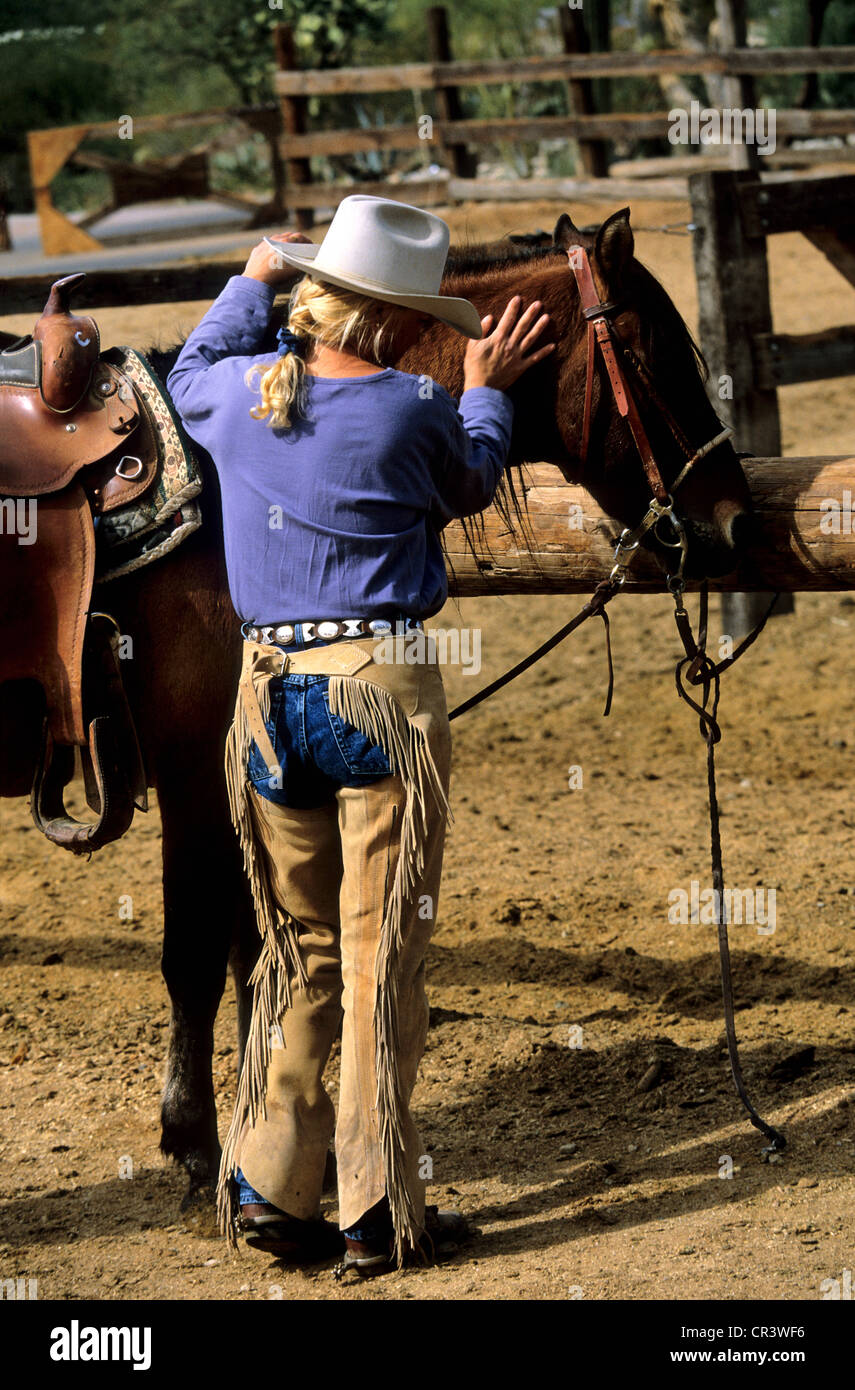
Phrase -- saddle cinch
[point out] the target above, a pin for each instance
(75, 444)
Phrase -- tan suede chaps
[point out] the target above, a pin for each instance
(346, 898)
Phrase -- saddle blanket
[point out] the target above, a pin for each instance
(153, 525)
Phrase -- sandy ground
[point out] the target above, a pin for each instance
(555, 977)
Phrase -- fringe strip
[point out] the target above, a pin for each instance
(371, 709)
(279, 960)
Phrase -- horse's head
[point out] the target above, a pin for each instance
(665, 374)
(660, 364)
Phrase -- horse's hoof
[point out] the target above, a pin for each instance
(199, 1209)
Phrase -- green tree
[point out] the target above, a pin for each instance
(234, 41)
(55, 72)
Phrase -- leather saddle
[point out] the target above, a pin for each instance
(75, 443)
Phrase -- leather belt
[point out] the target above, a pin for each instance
(329, 630)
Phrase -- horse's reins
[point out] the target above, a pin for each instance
(696, 667)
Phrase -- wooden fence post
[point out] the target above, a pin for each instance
(293, 122)
(738, 91)
(464, 162)
(574, 38)
(600, 35)
(809, 95)
(267, 121)
(734, 305)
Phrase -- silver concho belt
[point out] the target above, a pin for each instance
(330, 630)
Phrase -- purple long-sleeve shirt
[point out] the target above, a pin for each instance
(338, 516)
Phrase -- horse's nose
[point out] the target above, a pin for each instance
(734, 523)
(741, 530)
(715, 546)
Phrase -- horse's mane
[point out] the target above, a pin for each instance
(665, 330)
(468, 257)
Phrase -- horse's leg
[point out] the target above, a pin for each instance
(206, 904)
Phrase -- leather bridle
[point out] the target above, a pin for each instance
(661, 509)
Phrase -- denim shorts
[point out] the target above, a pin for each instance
(317, 751)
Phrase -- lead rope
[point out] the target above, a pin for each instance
(595, 607)
(700, 670)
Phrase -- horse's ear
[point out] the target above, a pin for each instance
(565, 233)
(615, 245)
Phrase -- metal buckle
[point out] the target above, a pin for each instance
(630, 540)
(624, 555)
(129, 458)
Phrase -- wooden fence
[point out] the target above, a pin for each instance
(449, 135)
(734, 214)
(439, 127)
(187, 174)
(560, 541)
(25, 294)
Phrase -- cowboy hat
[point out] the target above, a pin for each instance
(385, 250)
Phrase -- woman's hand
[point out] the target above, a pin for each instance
(266, 266)
(500, 357)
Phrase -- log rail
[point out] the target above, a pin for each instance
(556, 549)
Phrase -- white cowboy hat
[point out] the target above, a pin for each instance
(388, 251)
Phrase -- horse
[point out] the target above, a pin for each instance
(186, 635)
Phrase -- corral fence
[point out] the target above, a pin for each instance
(449, 137)
(443, 140)
(560, 541)
(734, 214)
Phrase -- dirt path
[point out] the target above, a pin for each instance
(555, 977)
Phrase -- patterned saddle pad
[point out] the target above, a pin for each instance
(151, 527)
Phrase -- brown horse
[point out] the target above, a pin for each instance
(187, 643)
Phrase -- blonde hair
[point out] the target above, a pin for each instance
(338, 318)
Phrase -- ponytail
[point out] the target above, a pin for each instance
(283, 389)
(319, 313)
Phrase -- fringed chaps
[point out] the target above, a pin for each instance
(357, 694)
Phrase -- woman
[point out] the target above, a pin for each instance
(338, 765)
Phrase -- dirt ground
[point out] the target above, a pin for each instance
(555, 978)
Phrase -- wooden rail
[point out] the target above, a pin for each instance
(50, 150)
(564, 543)
(453, 137)
(26, 294)
(613, 126)
(734, 213)
(424, 76)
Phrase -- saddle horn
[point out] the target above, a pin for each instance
(60, 295)
(70, 347)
